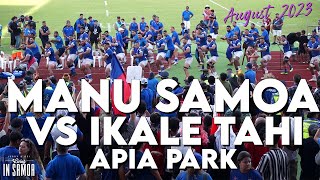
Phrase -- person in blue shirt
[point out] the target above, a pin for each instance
(73, 49)
(264, 35)
(213, 49)
(314, 48)
(265, 54)
(254, 31)
(213, 27)
(67, 30)
(58, 42)
(33, 46)
(108, 36)
(8, 153)
(160, 45)
(119, 37)
(176, 42)
(29, 61)
(26, 33)
(48, 92)
(86, 60)
(237, 51)
(79, 23)
(201, 39)
(186, 16)
(156, 27)
(140, 55)
(65, 166)
(142, 41)
(83, 34)
(49, 54)
(245, 170)
(125, 38)
(236, 30)
(250, 74)
(133, 26)
(287, 54)
(118, 49)
(147, 94)
(148, 35)
(188, 57)
(170, 47)
(91, 21)
(107, 56)
(228, 38)
(152, 83)
(142, 26)
(248, 41)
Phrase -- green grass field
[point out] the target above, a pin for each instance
(58, 11)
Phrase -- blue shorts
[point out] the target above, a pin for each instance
(169, 54)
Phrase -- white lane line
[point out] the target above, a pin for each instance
(105, 3)
(228, 10)
(109, 27)
(107, 13)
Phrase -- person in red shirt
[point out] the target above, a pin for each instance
(267, 23)
(206, 14)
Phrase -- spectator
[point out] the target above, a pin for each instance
(146, 94)
(206, 14)
(65, 166)
(244, 170)
(152, 83)
(277, 24)
(186, 17)
(15, 31)
(232, 78)
(44, 33)
(0, 33)
(225, 83)
(250, 74)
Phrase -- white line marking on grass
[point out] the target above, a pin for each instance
(228, 10)
(105, 3)
(109, 27)
(107, 13)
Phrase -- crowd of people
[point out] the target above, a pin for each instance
(84, 39)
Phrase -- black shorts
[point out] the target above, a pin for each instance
(61, 51)
(126, 46)
(94, 40)
(78, 35)
(66, 43)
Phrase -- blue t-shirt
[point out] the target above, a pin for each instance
(26, 31)
(186, 15)
(147, 34)
(119, 39)
(314, 46)
(133, 26)
(214, 26)
(264, 46)
(125, 35)
(157, 26)
(200, 176)
(117, 49)
(58, 43)
(236, 30)
(169, 43)
(213, 52)
(152, 84)
(74, 49)
(229, 34)
(28, 52)
(79, 22)
(35, 50)
(147, 97)
(86, 47)
(6, 155)
(248, 41)
(142, 42)
(251, 75)
(286, 46)
(160, 44)
(84, 36)
(64, 166)
(252, 175)
(109, 53)
(177, 90)
(51, 54)
(265, 35)
(143, 26)
(236, 43)
(177, 40)
(68, 31)
(187, 55)
(27, 132)
(203, 38)
(255, 33)
(47, 94)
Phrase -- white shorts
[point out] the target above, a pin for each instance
(161, 54)
(176, 47)
(288, 54)
(108, 66)
(188, 61)
(314, 60)
(214, 35)
(52, 63)
(72, 57)
(276, 32)
(213, 59)
(187, 24)
(34, 66)
(121, 56)
(266, 57)
(150, 46)
(143, 63)
(238, 54)
(86, 61)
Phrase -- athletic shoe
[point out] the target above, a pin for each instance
(274, 43)
(284, 72)
(90, 80)
(291, 68)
